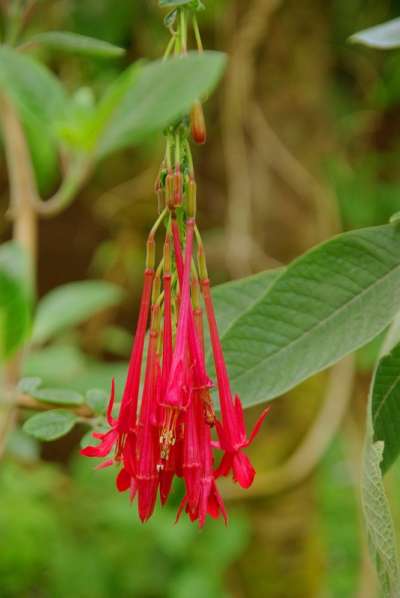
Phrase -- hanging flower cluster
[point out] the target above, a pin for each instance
(167, 425)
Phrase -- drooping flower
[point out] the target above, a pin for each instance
(147, 431)
(232, 431)
(163, 428)
(123, 427)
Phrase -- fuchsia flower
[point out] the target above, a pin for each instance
(122, 431)
(232, 432)
(169, 433)
(164, 427)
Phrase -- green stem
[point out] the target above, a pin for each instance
(197, 35)
(169, 47)
(183, 30)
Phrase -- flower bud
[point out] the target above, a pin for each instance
(150, 253)
(191, 198)
(169, 188)
(178, 186)
(198, 124)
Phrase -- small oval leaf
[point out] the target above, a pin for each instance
(75, 43)
(50, 425)
(29, 384)
(58, 396)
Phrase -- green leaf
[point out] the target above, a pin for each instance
(232, 299)
(29, 384)
(326, 304)
(376, 507)
(90, 132)
(15, 299)
(43, 147)
(57, 365)
(70, 305)
(97, 399)
(384, 36)
(380, 529)
(195, 4)
(15, 263)
(386, 406)
(50, 425)
(75, 43)
(170, 18)
(57, 396)
(31, 85)
(163, 92)
(40, 101)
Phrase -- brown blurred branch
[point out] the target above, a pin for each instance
(307, 456)
(235, 110)
(22, 189)
(25, 401)
(275, 153)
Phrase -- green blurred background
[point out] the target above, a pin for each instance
(303, 139)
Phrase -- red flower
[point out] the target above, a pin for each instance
(124, 426)
(232, 432)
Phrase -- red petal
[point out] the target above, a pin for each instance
(225, 466)
(258, 425)
(105, 464)
(180, 509)
(110, 418)
(240, 417)
(243, 471)
(103, 448)
(123, 480)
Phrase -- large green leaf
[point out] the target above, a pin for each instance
(163, 92)
(70, 305)
(75, 43)
(31, 85)
(386, 406)
(326, 304)
(232, 299)
(378, 518)
(15, 299)
(384, 36)
(50, 425)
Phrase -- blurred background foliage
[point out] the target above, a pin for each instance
(303, 143)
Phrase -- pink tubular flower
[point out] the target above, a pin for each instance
(177, 396)
(123, 427)
(176, 391)
(147, 432)
(232, 432)
(208, 500)
(191, 457)
(201, 379)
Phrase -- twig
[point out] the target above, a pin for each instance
(25, 401)
(277, 155)
(22, 188)
(236, 101)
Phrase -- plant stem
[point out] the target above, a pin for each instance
(22, 192)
